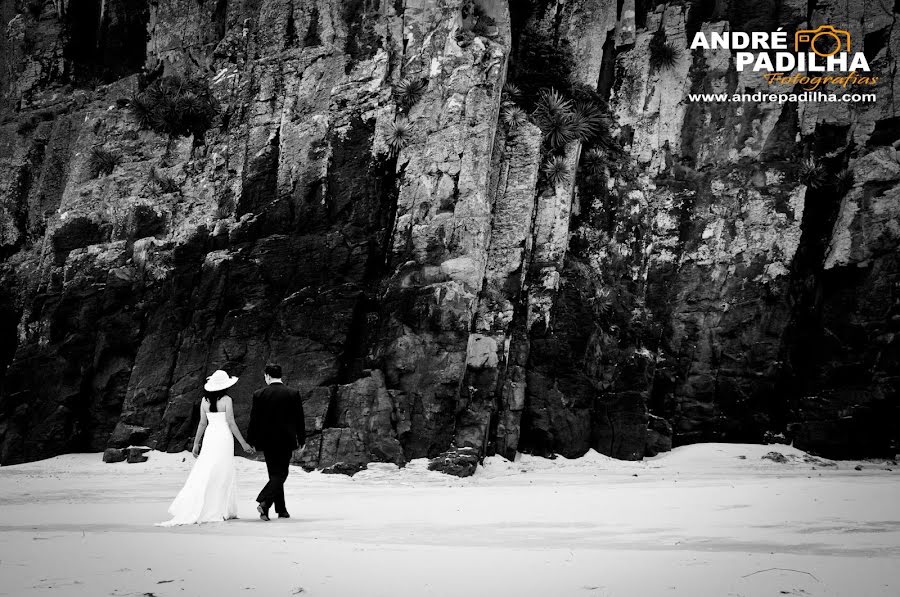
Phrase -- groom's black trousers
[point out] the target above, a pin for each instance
(277, 462)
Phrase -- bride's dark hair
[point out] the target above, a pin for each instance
(213, 397)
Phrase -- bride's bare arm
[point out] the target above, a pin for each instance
(229, 416)
(200, 428)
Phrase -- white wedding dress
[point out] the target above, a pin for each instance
(210, 492)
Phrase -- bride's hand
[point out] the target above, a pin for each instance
(249, 449)
(196, 451)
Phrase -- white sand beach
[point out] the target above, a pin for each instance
(703, 520)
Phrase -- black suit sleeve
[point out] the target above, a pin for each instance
(252, 429)
(301, 420)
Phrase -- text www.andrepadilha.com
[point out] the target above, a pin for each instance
(805, 96)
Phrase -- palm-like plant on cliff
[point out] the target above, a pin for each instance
(844, 180)
(594, 162)
(551, 103)
(592, 174)
(399, 134)
(142, 110)
(102, 162)
(555, 170)
(192, 106)
(593, 108)
(663, 54)
(176, 106)
(554, 115)
(513, 117)
(602, 301)
(589, 122)
(811, 173)
(407, 92)
(160, 183)
(511, 93)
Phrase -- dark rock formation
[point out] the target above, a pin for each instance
(136, 455)
(112, 455)
(659, 436)
(775, 457)
(343, 468)
(459, 462)
(404, 255)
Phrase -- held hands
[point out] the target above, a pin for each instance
(196, 450)
(249, 449)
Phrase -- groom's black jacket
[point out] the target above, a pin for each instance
(276, 419)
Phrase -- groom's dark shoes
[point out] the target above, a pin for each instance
(263, 510)
(284, 514)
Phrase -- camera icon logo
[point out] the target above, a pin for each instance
(825, 40)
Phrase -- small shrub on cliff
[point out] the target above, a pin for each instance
(513, 117)
(662, 53)
(142, 110)
(594, 162)
(592, 176)
(602, 301)
(562, 122)
(176, 106)
(160, 183)
(399, 135)
(551, 103)
(511, 93)
(408, 92)
(811, 173)
(102, 162)
(511, 114)
(555, 170)
(844, 180)
(554, 116)
(93, 82)
(589, 122)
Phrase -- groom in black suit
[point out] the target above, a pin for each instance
(277, 428)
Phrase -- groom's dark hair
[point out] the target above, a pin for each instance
(273, 370)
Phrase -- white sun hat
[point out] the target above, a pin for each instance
(219, 381)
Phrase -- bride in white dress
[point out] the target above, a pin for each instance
(210, 492)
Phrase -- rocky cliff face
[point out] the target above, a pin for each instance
(361, 210)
